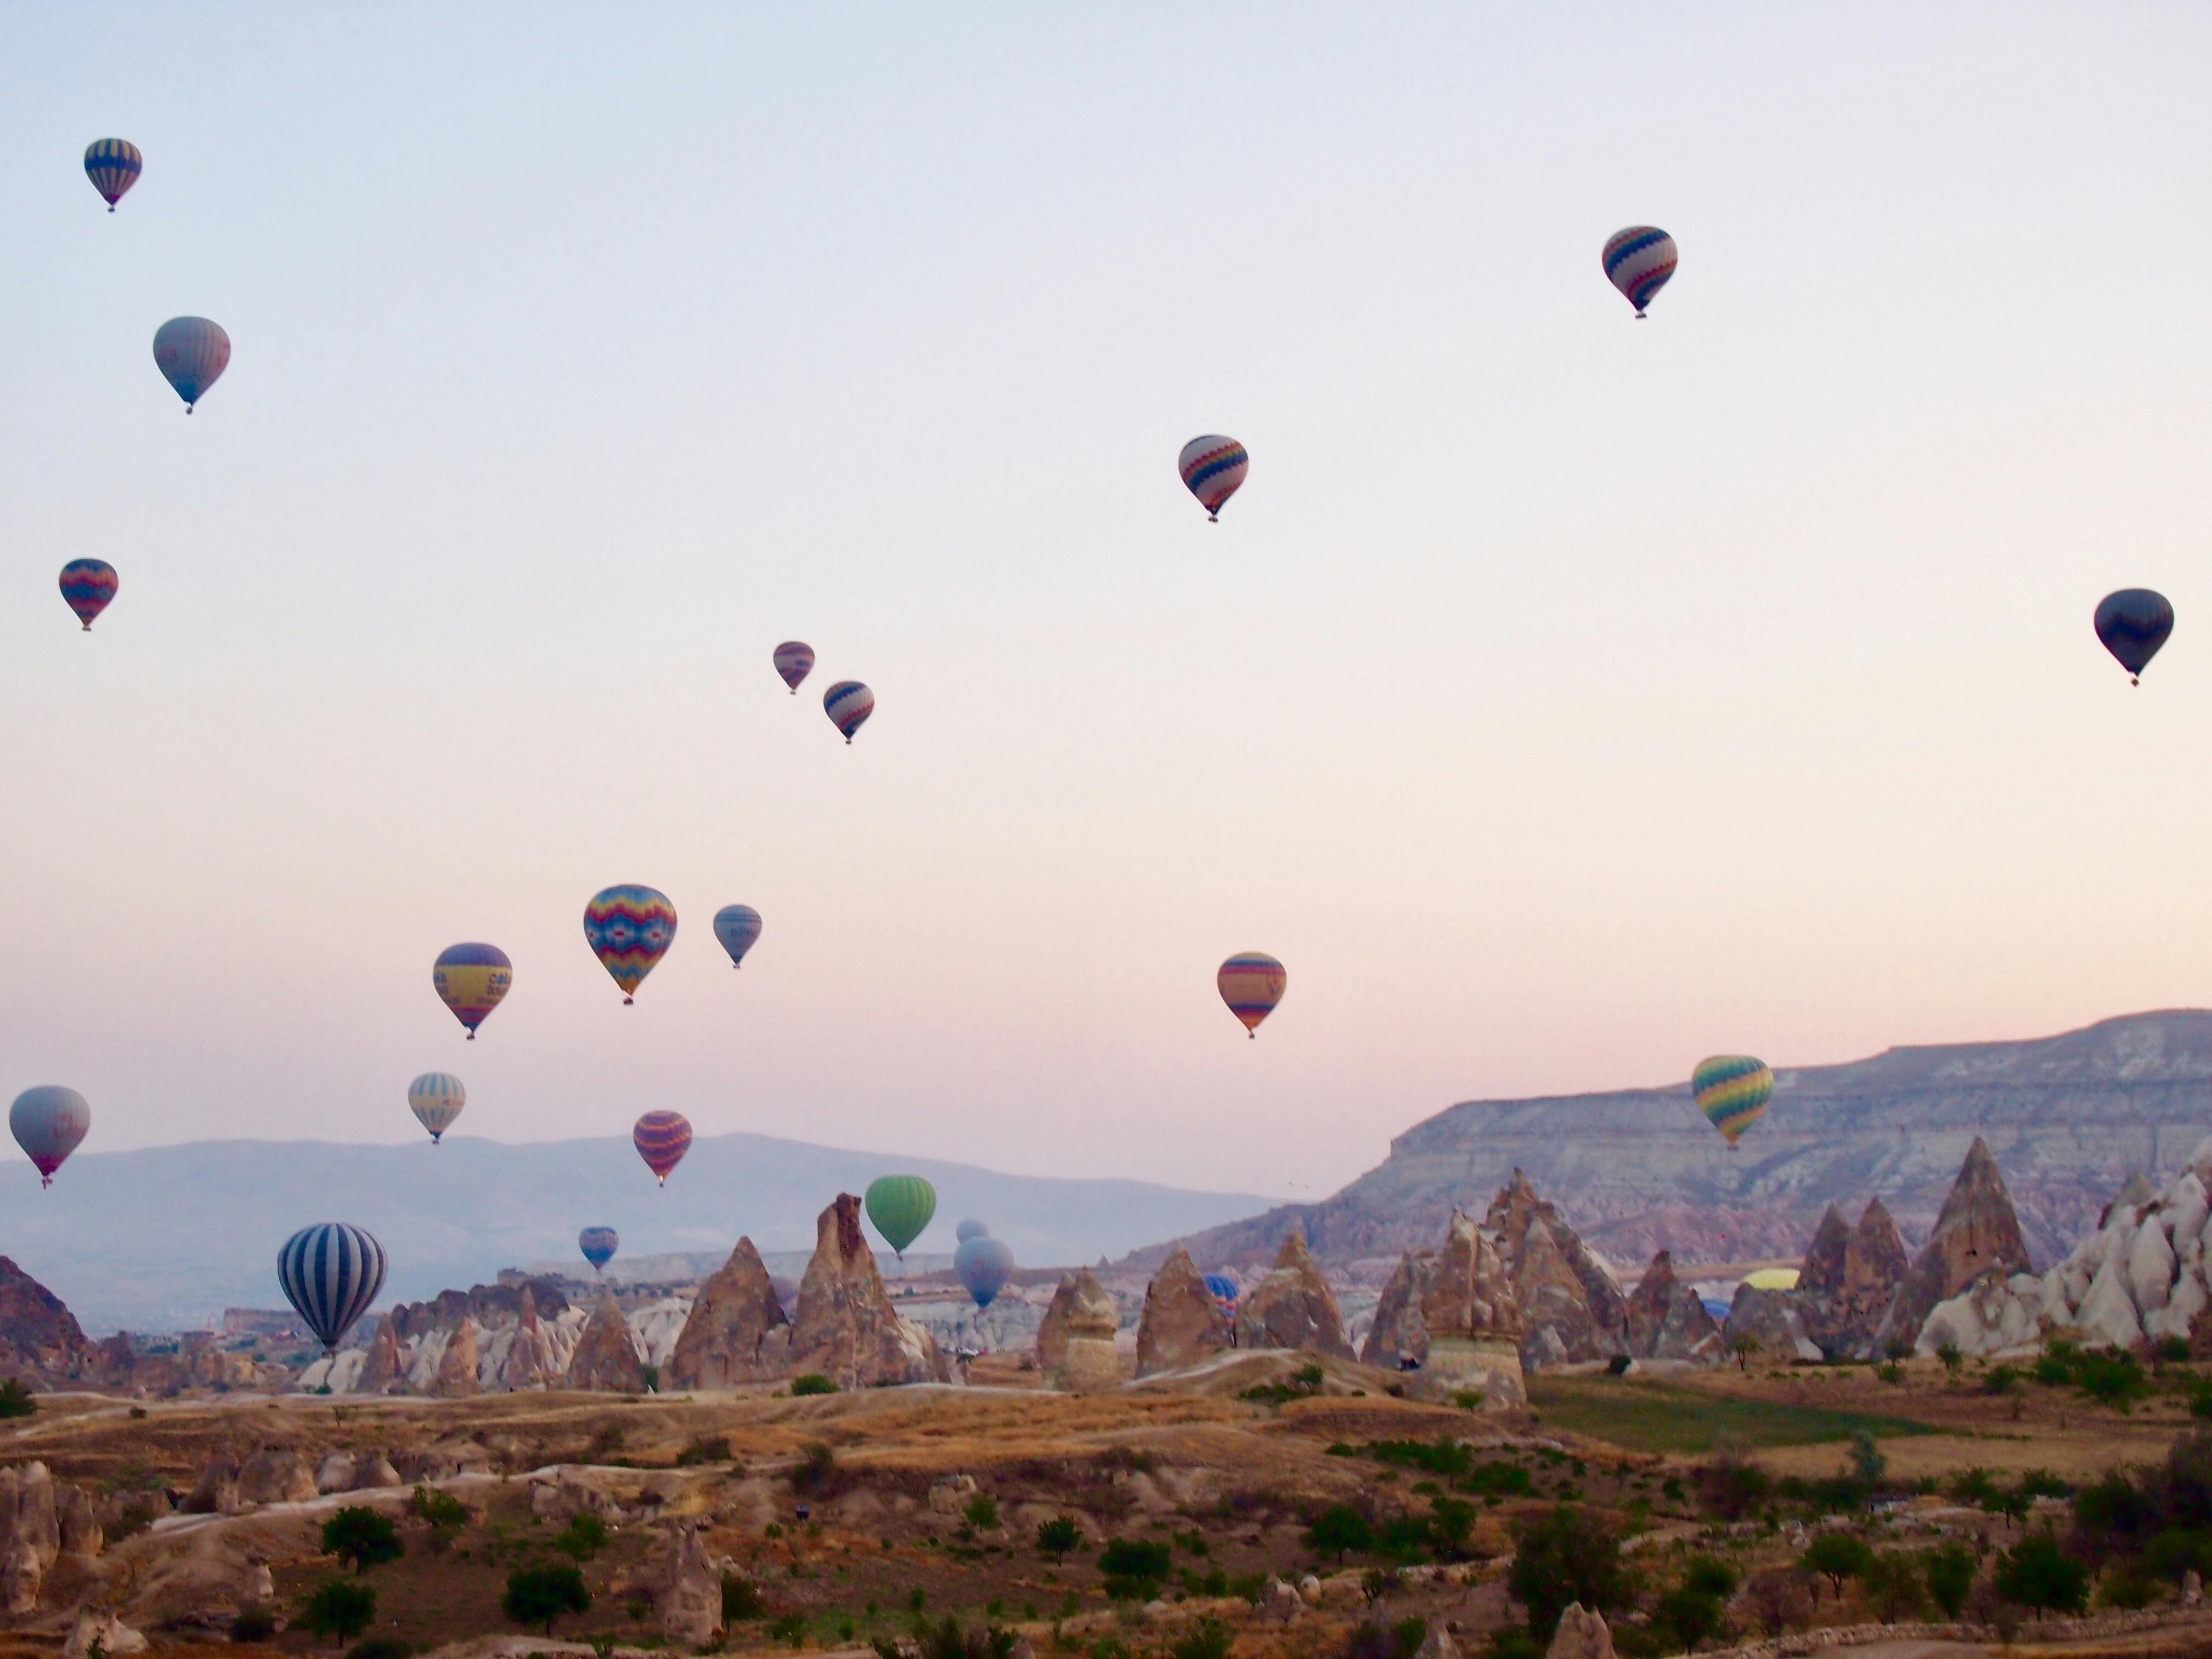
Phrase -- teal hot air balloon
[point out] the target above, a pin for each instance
(901, 1206)
(1732, 1092)
(983, 1264)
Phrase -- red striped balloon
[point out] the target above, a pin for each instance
(88, 585)
(1251, 982)
(661, 1139)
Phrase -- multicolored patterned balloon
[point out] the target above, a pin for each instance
(1732, 1092)
(849, 704)
(470, 980)
(1251, 983)
(737, 926)
(436, 1099)
(794, 660)
(113, 166)
(1214, 469)
(191, 354)
(661, 1139)
(1638, 261)
(1223, 1288)
(88, 587)
(901, 1206)
(2133, 624)
(630, 929)
(599, 1245)
(48, 1123)
(331, 1272)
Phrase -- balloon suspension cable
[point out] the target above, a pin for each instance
(45, 1181)
(2133, 679)
(1252, 1036)
(1213, 518)
(1639, 316)
(87, 628)
(111, 207)
(627, 1001)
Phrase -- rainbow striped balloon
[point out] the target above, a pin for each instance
(1214, 469)
(470, 980)
(1638, 261)
(1732, 1092)
(113, 166)
(661, 1139)
(191, 354)
(436, 1099)
(849, 704)
(630, 929)
(1251, 983)
(599, 1245)
(88, 585)
(794, 660)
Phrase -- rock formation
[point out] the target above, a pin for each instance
(737, 1332)
(98, 1633)
(1075, 1342)
(276, 1474)
(1976, 1232)
(691, 1602)
(607, 1355)
(529, 1361)
(383, 1368)
(1773, 1321)
(457, 1366)
(216, 1492)
(1182, 1323)
(1667, 1321)
(1850, 1277)
(40, 1341)
(847, 1328)
(1398, 1341)
(33, 1534)
(1582, 1634)
(1473, 1321)
(1292, 1307)
(1571, 1308)
(492, 1306)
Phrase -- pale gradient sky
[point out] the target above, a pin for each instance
(1564, 698)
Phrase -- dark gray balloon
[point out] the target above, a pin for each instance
(983, 1264)
(2133, 624)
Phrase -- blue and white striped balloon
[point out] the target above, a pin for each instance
(436, 1099)
(848, 703)
(1638, 261)
(331, 1272)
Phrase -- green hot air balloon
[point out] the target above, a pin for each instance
(901, 1206)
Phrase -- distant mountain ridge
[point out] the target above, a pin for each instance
(1636, 1170)
(167, 1237)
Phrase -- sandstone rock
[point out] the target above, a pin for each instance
(1182, 1323)
(1309, 1590)
(39, 1338)
(2151, 1265)
(27, 1514)
(384, 1369)
(258, 1587)
(607, 1356)
(847, 1328)
(20, 1574)
(1474, 1321)
(2193, 1588)
(1437, 1645)
(529, 1361)
(2106, 1316)
(335, 1472)
(1398, 1334)
(1851, 1276)
(102, 1633)
(1279, 1602)
(1581, 1634)
(1559, 1286)
(457, 1366)
(725, 1340)
(1667, 1321)
(1292, 1307)
(691, 1604)
(1080, 1307)
(82, 1536)
(276, 1474)
(217, 1490)
(1992, 1314)
(492, 1307)
(1976, 1230)
(373, 1472)
(1772, 1319)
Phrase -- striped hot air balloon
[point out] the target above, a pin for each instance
(849, 704)
(630, 929)
(599, 1245)
(901, 1206)
(436, 1099)
(1214, 469)
(470, 979)
(1638, 261)
(331, 1272)
(88, 587)
(191, 354)
(2132, 623)
(48, 1123)
(113, 166)
(1251, 983)
(737, 926)
(794, 660)
(661, 1139)
(1732, 1092)
(1223, 1288)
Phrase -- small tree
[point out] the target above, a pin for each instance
(1837, 1556)
(1949, 1569)
(1567, 1556)
(1780, 1598)
(361, 1536)
(2036, 1573)
(339, 1609)
(1057, 1536)
(1867, 1464)
(1337, 1530)
(16, 1400)
(983, 1512)
(538, 1595)
(1952, 1358)
(1743, 1345)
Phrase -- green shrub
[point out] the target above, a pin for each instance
(1685, 1617)
(1837, 1556)
(791, 1627)
(818, 1465)
(1895, 1587)
(1445, 1457)
(1209, 1639)
(339, 1609)
(1498, 1478)
(361, 1536)
(741, 1600)
(704, 1448)
(1339, 1529)
(983, 1512)
(16, 1400)
(1949, 1569)
(538, 1595)
(812, 1382)
(254, 1623)
(1134, 1570)
(2128, 1586)
(438, 1509)
(380, 1647)
(1057, 1536)
(2037, 1573)
(1567, 1555)
(584, 1537)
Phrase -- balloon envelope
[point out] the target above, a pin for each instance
(48, 1122)
(191, 354)
(901, 1206)
(737, 926)
(88, 585)
(983, 1265)
(661, 1139)
(968, 1230)
(599, 1245)
(436, 1099)
(331, 1272)
(113, 166)
(849, 704)
(1214, 469)
(2133, 624)
(1732, 1092)
(1638, 261)
(1224, 1289)
(1251, 982)
(470, 979)
(630, 929)
(794, 660)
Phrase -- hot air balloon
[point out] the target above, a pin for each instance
(968, 1230)
(191, 354)
(737, 926)
(599, 1245)
(1223, 1288)
(48, 1122)
(849, 704)
(1251, 983)
(983, 1264)
(436, 1099)
(2133, 624)
(1638, 261)
(1213, 470)
(901, 1206)
(471, 979)
(630, 929)
(87, 586)
(661, 1139)
(113, 166)
(794, 660)
(1732, 1092)
(331, 1272)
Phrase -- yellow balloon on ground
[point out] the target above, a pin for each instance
(1772, 1278)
